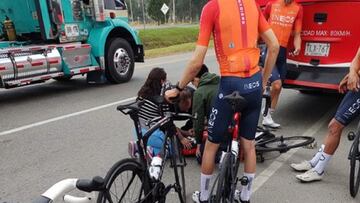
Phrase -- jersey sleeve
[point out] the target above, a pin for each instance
(298, 20)
(263, 25)
(267, 10)
(207, 22)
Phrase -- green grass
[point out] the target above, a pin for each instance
(179, 48)
(185, 47)
(166, 37)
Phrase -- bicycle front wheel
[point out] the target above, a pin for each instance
(283, 144)
(354, 157)
(178, 162)
(124, 183)
(220, 190)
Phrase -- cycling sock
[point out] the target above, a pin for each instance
(246, 189)
(317, 156)
(205, 186)
(324, 159)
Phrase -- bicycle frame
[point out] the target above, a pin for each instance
(142, 139)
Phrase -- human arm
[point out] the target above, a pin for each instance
(272, 52)
(268, 36)
(297, 31)
(353, 79)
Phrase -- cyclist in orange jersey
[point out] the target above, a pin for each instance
(235, 26)
(285, 18)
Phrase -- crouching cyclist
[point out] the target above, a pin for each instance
(235, 25)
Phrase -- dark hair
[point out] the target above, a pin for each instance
(204, 69)
(152, 85)
(185, 94)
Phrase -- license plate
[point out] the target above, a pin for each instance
(72, 30)
(317, 49)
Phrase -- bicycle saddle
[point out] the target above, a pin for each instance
(131, 108)
(237, 102)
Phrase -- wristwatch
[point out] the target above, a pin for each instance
(178, 87)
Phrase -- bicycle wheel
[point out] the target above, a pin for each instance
(124, 183)
(283, 144)
(354, 157)
(178, 162)
(222, 183)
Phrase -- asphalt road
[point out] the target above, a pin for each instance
(53, 131)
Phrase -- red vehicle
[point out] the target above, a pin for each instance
(330, 39)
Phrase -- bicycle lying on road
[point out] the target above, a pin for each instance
(128, 180)
(226, 181)
(354, 157)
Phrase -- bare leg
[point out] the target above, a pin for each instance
(333, 136)
(208, 159)
(276, 87)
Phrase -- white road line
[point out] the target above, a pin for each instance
(265, 175)
(25, 127)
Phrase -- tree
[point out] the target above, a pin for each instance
(154, 11)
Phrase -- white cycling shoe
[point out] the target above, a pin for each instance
(310, 176)
(269, 122)
(303, 166)
(155, 168)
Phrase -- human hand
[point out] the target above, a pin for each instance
(171, 94)
(186, 143)
(296, 52)
(343, 84)
(353, 82)
(198, 152)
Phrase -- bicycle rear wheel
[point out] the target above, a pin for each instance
(124, 183)
(178, 162)
(354, 157)
(220, 190)
(283, 144)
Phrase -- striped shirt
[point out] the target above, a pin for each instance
(150, 110)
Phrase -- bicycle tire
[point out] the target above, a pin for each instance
(234, 174)
(354, 158)
(283, 144)
(221, 183)
(179, 162)
(119, 168)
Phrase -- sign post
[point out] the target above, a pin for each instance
(164, 9)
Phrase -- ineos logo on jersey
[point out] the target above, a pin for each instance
(212, 117)
(352, 109)
(252, 85)
(283, 19)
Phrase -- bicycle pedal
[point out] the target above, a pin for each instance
(311, 145)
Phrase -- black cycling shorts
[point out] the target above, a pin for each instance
(221, 112)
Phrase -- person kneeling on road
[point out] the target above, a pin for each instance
(207, 85)
(152, 88)
(344, 115)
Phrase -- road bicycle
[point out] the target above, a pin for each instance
(354, 157)
(226, 181)
(128, 180)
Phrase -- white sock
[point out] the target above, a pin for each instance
(205, 186)
(317, 156)
(246, 189)
(324, 159)
(271, 111)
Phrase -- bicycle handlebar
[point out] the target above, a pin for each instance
(57, 190)
(61, 188)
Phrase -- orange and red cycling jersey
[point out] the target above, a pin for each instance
(235, 25)
(283, 19)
